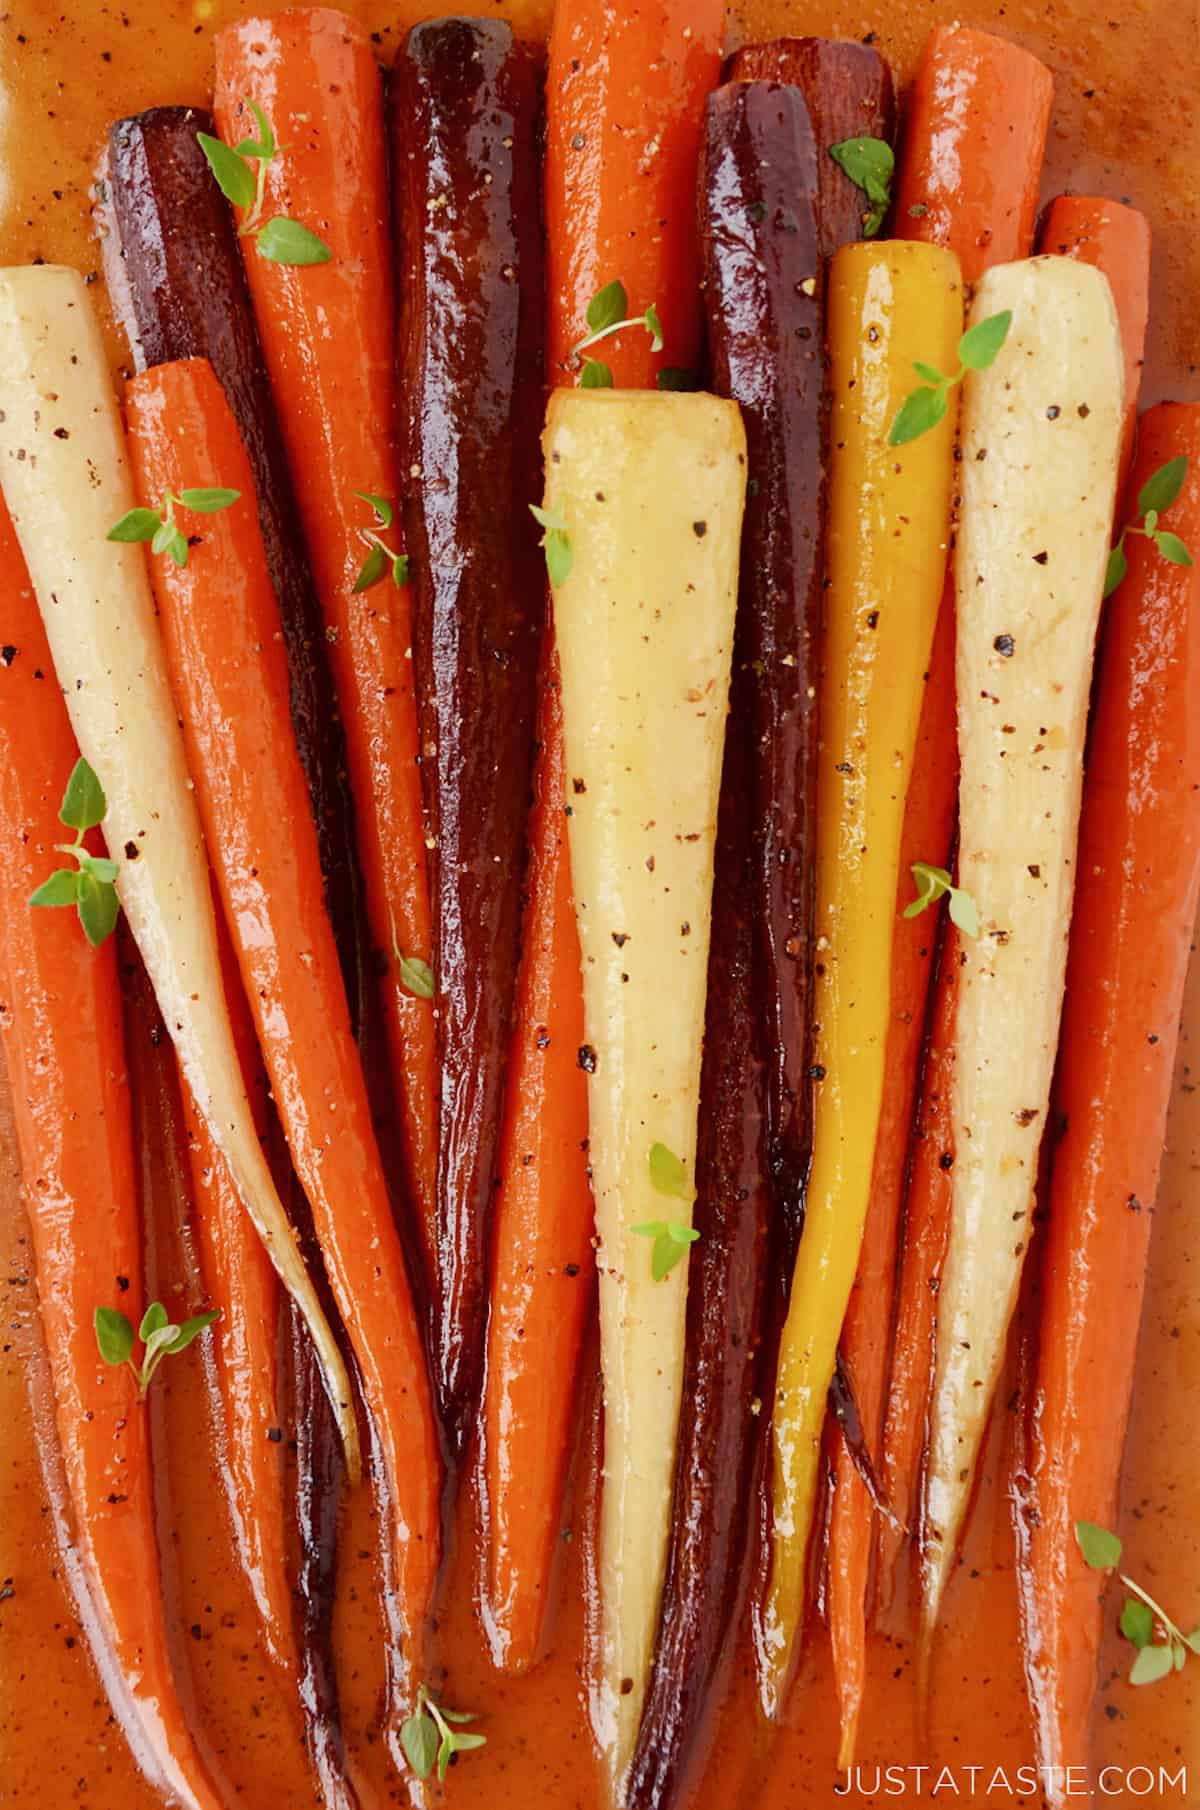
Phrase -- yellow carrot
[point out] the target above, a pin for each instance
(889, 523)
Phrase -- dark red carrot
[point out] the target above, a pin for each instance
(465, 118)
(229, 676)
(327, 337)
(64, 1047)
(847, 89)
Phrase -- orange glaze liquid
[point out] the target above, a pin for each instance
(1125, 123)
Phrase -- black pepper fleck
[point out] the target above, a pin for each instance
(587, 1058)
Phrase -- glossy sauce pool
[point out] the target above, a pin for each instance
(1125, 125)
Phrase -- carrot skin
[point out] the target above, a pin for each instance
(465, 101)
(241, 1283)
(327, 339)
(64, 1047)
(848, 91)
(229, 673)
(1130, 945)
(980, 107)
(975, 134)
(1116, 239)
(626, 91)
(176, 275)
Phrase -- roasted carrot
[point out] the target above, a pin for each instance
(229, 677)
(977, 117)
(64, 1047)
(465, 129)
(975, 134)
(889, 523)
(1116, 239)
(242, 1284)
(626, 88)
(175, 277)
(848, 91)
(327, 333)
(66, 480)
(1139, 850)
(606, 220)
(1047, 415)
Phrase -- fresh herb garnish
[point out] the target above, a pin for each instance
(159, 526)
(560, 555)
(241, 173)
(932, 884)
(671, 1240)
(671, 1237)
(607, 313)
(89, 887)
(381, 558)
(1140, 1614)
(870, 163)
(925, 407)
(431, 1736)
(160, 1339)
(1154, 498)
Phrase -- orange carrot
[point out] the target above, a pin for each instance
(327, 335)
(241, 1282)
(64, 1046)
(968, 179)
(1139, 854)
(1116, 239)
(978, 114)
(229, 673)
(617, 210)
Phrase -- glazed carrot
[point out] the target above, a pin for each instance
(1047, 417)
(625, 105)
(229, 675)
(242, 1284)
(927, 1204)
(612, 213)
(66, 481)
(848, 92)
(1139, 850)
(465, 107)
(327, 333)
(1116, 239)
(975, 134)
(977, 117)
(64, 1047)
(889, 519)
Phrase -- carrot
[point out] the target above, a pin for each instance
(889, 518)
(229, 674)
(326, 335)
(1047, 416)
(1139, 850)
(626, 88)
(612, 213)
(242, 1284)
(64, 1047)
(66, 481)
(1116, 239)
(465, 123)
(978, 114)
(927, 1204)
(968, 178)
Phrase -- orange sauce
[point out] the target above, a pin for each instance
(1125, 124)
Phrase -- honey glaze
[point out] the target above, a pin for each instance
(1125, 124)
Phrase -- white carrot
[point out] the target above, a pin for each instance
(1041, 440)
(66, 481)
(650, 488)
